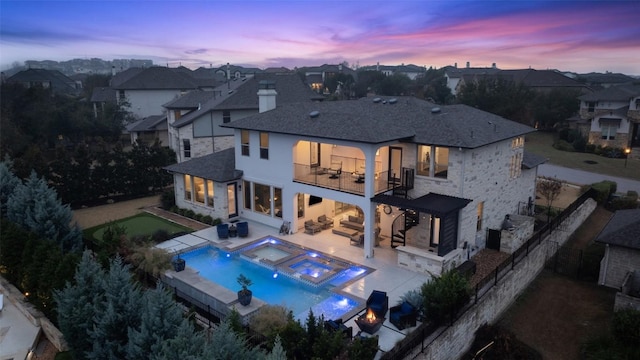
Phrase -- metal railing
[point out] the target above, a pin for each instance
(349, 182)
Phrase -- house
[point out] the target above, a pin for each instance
(149, 129)
(229, 72)
(453, 74)
(621, 237)
(194, 119)
(316, 76)
(431, 179)
(53, 80)
(411, 71)
(612, 117)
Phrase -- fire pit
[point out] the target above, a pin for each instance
(369, 323)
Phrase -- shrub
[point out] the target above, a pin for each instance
(626, 326)
(189, 213)
(603, 189)
(633, 194)
(217, 221)
(174, 209)
(563, 134)
(623, 202)
(613, 186)
(160, 235)
(579, 144)
(590, 148)
(198, 217)
(563, 145)
(270, 319)
(207, 219)
(167, 199)
(444, 296)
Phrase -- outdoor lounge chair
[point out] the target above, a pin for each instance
(312, 227)
(335, 170)
(223, 231)
(403, 315)
(325, 221)
(243, 229)
(337, 325)
(378, 302)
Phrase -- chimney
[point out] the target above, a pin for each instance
(113, 70)
(266, 95)
(468, 65)
(378, 66)
(455, 65)
(493, 65)
(228, 72)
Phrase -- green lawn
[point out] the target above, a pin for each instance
(540, 143)
(141, 224)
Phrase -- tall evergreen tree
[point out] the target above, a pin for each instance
(76, 305)
(36, 207)
(187, 344)
(225, 344)
(160, 319)
(116, 314)
(278, 352)
(8, 183)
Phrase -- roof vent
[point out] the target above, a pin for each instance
(435, 110)
(314, 114)
(230, 91)
(377, 100)
(393, 101)
(384, 101)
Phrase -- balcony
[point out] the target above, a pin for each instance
(347, 181)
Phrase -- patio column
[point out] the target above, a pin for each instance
(369, 189)
(369, 229)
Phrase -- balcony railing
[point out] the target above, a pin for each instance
(349, 182)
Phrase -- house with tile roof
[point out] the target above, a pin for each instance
(195, 118)
(432, 179)
(611, 117)
(621, 236)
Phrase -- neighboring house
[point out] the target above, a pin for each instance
(194, 119)
(536, 80)
(102, 96)
(316, 76)
(230, 72)
(433, 180)
(453, 74)
(53, 80)
(621, 237)
(611, 117)
(411, 71)
(602, 80)
(146, 90)
(149, 129)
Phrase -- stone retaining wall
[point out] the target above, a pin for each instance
(455, 341)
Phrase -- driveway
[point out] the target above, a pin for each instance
(581, 177)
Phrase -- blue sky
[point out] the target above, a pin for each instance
(580, 36)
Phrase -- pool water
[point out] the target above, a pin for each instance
(223, 268)
(309, 268)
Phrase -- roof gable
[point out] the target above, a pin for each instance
(623, 229)
(219, 166)
(158, 78)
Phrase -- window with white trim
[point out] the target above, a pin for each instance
(244, 140)
(264, 145)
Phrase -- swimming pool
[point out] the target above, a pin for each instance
(282, 274)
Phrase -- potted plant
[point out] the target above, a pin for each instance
(178, 263)
(244, 295)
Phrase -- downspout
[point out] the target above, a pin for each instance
(606, 264)
(213, 147)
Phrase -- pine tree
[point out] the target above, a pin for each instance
(160, 319)
(35, 206)
(278, 352)
(76, 305)
(187, 344)
(8, 183)
(227, 345)
(116, 314)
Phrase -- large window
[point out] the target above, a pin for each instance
(262, 198)
(516, 165)
(433, 161)
(198, 185)
(480, 214)
(264, 145)
(187, 187)
(244, 139)
(186, 147)
(177, 114)
(591, 105)
(277, 202)
(210, 193)
(609, 131)
(246, 185)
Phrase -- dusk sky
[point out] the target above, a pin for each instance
(581, 36)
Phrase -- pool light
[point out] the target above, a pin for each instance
(312, 254)
(275, 275)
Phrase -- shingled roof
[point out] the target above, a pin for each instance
(191, 100)
(150, 123)
(369, 121)
(530, 160)
(623, 229)
(219, 166)
(614, 93)
(243, 94)
(157, 78)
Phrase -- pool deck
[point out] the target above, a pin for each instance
(387, 277)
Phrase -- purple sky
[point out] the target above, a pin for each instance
(579, 36)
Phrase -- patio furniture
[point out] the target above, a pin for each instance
(285, 228)
(233, 231)
(223, 231)
(353, 222)
(335, 170)
(378, 302)
(243, 229)
(369, 322)
(403, 315)
(337, 325)
(312, 227)
(325, 221)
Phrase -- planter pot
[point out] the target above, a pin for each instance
(178, 264)
(244, 297)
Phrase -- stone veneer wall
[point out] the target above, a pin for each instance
(621, 140)
(511, 240)
(455, 341)
(34, 315)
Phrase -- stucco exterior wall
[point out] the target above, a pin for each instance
(149, 102)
